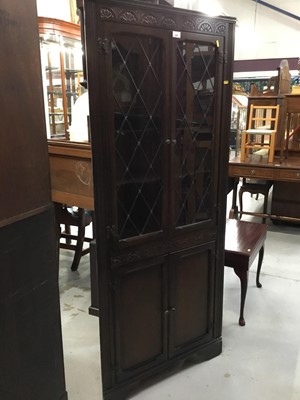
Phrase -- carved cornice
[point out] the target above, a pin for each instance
(188, 22)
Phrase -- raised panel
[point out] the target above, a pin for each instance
(139, 298)
(191, 276)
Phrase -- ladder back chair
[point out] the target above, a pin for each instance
(261, 132)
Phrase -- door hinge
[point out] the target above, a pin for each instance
(103, 45)
(222, 58)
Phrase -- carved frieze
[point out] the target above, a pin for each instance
(149, 20)
(170, 19)
(159, 249)
(128, 16)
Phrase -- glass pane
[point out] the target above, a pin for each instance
(195, 99)
(61, 60)
(50, 54)
(72, 51)
(138, 105)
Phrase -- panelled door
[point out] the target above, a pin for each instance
(191, 295)
(140, 309)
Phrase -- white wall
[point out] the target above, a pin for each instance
(59, 9)
(261, 32)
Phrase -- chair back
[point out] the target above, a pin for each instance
(263, 118)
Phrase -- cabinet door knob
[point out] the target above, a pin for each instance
(168, 141)
(252, 172)
(298, 174)
(174, 141)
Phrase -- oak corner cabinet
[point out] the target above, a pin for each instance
(159, 81)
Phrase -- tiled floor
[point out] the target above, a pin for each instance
(260, 361)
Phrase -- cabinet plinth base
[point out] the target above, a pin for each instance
(131, 386)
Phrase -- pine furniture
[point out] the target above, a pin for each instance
(261, 131)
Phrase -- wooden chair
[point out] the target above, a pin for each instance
(81, 219)
(292, 132)
(261, 132)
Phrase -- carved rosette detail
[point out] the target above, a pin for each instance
(149, 20)
(221, 29)
(106, 13)
(189, 25)
(169, 22)
(128, 16)
(205, 27)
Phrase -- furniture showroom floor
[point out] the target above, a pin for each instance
(260, 361)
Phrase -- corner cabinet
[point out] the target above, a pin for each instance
(61, 58)
(159, 81)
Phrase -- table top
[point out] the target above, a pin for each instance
(292, 162)
(243, 237)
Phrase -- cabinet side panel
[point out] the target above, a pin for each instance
(24, 177)
(31, 366)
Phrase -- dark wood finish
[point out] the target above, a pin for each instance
(288, 171)
(79, 218)
(22, 133)
(255, 187)
(94, 307)
(285, 200)
(160, 182)
(31, 362)
(292, 105)
(244, 240)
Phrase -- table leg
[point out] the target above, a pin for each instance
(80, 239)
(260, 260)
(242, 273)
(233, 213)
